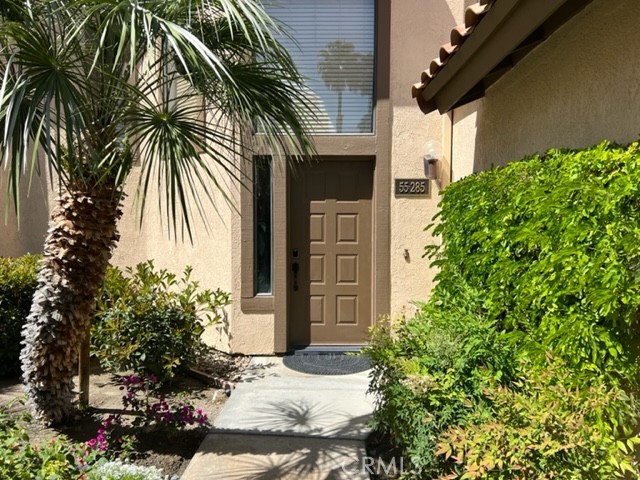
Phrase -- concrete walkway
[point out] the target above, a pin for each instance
(281, 424)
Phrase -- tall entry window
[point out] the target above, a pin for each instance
(262, 202)
(332, 44)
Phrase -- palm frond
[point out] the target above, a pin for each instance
(89, 84)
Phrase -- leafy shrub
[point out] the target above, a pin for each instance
(429, 371)
(151, 321)
(524, 362)
(545, 428)
(17, 286)
(21, 459)
(463, 403)
(552, 242)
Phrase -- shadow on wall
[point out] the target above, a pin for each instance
(27, 236)
(573, 91)
(223, 335)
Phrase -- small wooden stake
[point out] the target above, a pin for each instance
(84, 371)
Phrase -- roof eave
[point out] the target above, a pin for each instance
(488, 52)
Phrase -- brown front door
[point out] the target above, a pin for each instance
(330, 253)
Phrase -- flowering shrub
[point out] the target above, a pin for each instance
(21, 458)
(148, 411)
(108, 443)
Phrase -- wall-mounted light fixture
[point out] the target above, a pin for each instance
(431, 159)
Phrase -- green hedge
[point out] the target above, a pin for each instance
(553, 243)
(524, 362)
(17, 285)
(430, 371)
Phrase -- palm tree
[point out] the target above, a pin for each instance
(90, 87)
(341, 68)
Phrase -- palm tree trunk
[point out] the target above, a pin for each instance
(82, 234)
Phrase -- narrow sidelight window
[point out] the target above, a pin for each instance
(263, 219)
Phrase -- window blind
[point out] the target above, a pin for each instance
(332, 45)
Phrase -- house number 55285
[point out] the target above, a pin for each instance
(409, 187)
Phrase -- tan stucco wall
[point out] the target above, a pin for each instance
(209, 254)
(214, 255)
(579, 87)
(418, 28)
(463, 141)
(27, 235)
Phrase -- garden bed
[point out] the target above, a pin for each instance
(151, 447)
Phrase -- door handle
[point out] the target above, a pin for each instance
(295, 268)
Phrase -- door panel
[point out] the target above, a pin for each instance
(330, 295)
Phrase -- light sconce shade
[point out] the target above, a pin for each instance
(431, 168)
(433, 153)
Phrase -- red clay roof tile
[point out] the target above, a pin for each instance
(472, 16)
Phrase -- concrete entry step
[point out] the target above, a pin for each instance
(282, 424)
(311, 413)
(274, 400)
(262, 457)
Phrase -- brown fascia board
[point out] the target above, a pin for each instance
(507, 25)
